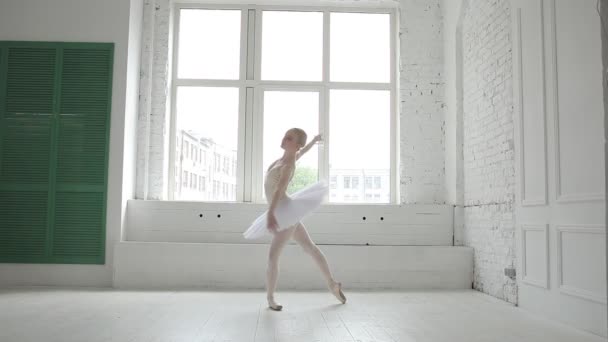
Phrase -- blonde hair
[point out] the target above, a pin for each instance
(301, 134)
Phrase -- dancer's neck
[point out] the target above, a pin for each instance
(288, 156)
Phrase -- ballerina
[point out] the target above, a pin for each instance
(284, 213)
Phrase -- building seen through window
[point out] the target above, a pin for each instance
(197, 178)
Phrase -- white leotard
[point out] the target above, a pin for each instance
(271, 181)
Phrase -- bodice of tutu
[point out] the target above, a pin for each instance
(272, 181)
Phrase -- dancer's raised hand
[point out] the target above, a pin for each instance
(308, 146)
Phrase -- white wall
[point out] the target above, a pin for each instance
(489, 175)
(421, 96)
(560, 207)
(604, 16)
(451, 10)
(114, 21)
(132, 104)
(452, 52)
(559, 233)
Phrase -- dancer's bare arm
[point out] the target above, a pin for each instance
(308, 146)
(286, 171)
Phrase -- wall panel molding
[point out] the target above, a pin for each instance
(599, 297)
(541, 281)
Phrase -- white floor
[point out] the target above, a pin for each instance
(81, 314)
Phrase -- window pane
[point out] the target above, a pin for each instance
(207, 120)
(359, 146)
(284, 110)
(209, 44)
(359, 47)
(292, 46)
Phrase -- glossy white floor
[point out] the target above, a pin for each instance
(81, 314)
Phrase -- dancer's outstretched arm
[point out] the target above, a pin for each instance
(278, 194)
(308, 146)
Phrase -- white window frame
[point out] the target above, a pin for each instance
(251, 89)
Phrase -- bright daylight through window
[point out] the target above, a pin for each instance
(243, 76)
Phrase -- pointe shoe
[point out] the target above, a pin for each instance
(336, 289)
(274, 306)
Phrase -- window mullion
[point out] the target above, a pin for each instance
(245, 19)
(324, 104)
(172, 103)
(257, 110)
(257, 145)
(324, 130)
(394, 125)
(251, 45)
(326, 56)
(247, 151)
(247, 98)
(258, 45)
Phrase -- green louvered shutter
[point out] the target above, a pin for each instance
(55, 110)
(79, 230)
(26, 96)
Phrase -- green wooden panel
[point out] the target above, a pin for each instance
(83, 116)
(26, 121)
(23, 225)
(55, 115)
(30, 79)
(82, 155)
(25, 156)
(85, 81)
(27, 116)
(78, 230)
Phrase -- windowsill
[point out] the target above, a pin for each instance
(389, 224)
(255, 205)
(264, 203)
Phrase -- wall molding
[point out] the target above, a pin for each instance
(544, 228)
(559, 196)
(570, 290)
(540, 201)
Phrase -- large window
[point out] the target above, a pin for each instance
(242, 76)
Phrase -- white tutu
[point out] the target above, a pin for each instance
(290, 210)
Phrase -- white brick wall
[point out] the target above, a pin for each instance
(489, 175)
(421, 100)
(153, 120)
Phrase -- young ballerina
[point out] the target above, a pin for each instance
(277, 179)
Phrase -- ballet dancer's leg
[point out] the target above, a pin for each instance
(303, 239)
(279, 240)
